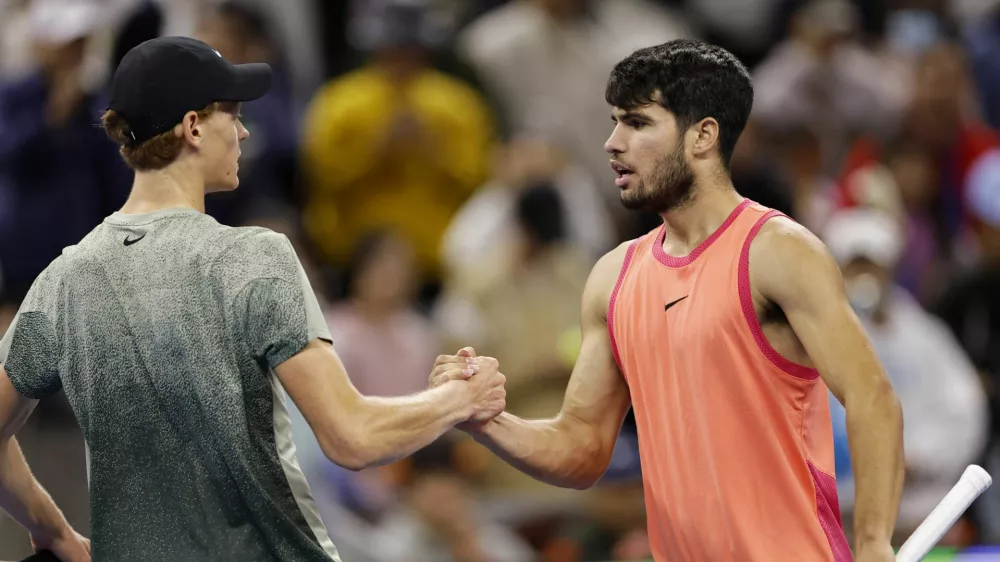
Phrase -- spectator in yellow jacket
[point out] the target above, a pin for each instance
(393, 145)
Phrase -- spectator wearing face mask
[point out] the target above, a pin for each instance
(970, 306)
(944, 405)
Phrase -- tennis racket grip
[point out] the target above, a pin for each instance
(974, 481)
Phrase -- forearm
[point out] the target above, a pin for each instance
(393, 428)
(22, 497)
(554, 451)
(875, 433)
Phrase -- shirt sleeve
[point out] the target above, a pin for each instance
(274, 310)
(29, 351)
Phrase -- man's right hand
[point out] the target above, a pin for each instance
(482, 373)
(489, 397)
(453, 367)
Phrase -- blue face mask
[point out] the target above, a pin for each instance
(912, 31)
(864, 292)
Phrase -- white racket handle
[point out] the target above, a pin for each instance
(974, 482)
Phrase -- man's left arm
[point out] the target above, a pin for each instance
(791, 268)
(21, 496)
(29, 371)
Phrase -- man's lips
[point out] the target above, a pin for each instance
(623, 171)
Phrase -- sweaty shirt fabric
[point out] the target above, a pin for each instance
(164, 329)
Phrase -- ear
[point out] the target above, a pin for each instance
(706, 137)
(192, 128)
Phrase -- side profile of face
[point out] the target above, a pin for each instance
(217, 145)
(648, 153)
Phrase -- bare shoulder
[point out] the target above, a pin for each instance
(610, 264)
(786, 255)
(784, 237)
(602, 280)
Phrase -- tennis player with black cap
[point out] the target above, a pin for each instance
(176, 340)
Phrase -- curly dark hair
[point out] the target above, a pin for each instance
(691, 79)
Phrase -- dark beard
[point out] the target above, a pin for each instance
(670, 186)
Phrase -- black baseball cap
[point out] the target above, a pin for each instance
(160, 80)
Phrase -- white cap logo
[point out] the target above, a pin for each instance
(218, 53)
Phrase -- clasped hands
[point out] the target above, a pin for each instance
(487, 396)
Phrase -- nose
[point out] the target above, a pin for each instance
(243, 132)
(614, 144)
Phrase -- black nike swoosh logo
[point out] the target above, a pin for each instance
(129, 241)
(669, 304)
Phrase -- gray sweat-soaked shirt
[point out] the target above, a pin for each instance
(163, 329)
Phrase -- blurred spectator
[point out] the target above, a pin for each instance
(944, 406)
(48, 118)
(522, 305)
(139, 24)
(941, 123)
(982, 42)
(971, 307)
(812, 188)
(420, 508)
(292, 23)
(488, 222)
(755, 173)
(971, 304)
(439, 519)
(747, 28)
(378, 320)
(914, 176)
(547, 63)
(966, 11)
(615, 524)
(15, 40)
(822, 78)
(394, 144)
(269, 156)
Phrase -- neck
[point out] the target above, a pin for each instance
(692, 223)
(171, 187)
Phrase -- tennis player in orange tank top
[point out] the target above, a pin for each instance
(746, 431)
(723, 330)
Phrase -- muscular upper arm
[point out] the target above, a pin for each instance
(597, 396)
(791, 268)
(14, 407)
(317, 382)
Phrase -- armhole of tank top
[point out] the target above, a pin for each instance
(629, 254)
(750, 314)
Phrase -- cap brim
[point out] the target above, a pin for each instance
(251, 82)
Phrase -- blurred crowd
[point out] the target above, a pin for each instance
(438, 165)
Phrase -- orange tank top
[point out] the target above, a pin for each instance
(735, 440)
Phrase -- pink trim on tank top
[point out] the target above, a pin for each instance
(629, 254)
(746, 302)
(828, 512)
(670, 261)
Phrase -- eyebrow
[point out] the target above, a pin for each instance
(634, 115)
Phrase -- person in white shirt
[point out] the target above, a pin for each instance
(944, 405)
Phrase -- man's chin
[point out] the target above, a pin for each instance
(633, 201)
(222, 187)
